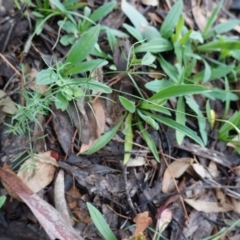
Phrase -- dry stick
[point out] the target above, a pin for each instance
(120, 215)
(176, 186)
(19, 74)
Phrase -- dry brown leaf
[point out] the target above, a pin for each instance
(200, 19)
(236, 205)
(200, 170)
(165, 219)
(176, 169)
(209, 207)
(42, 89)
(59, 197)
(136, 162)
(52, 222)
(8, 106)
(155, 74)
(38, 172)
(99, 121)
(142, 221)
(72, 195)
(213, 170)
(154, 18)
(153, 3)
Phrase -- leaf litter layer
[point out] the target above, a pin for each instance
(119, 120)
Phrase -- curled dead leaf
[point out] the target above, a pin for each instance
(38, 172)
(176, 169)
(209, 207)
(142, 221)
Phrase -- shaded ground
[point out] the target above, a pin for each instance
(202, 200)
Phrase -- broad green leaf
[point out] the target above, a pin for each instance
(2, 200)
(235, 54)
(201, 119)
(195, 35)
(134, 32)
(207, 72)
(67, 39)
(154, 46)
(220, 94)
(177, 126)
(154, 107)
(180, 118)
(61, 102)
(219, 46)
(158, 85)
(216, 73)
(111, 39)
(178, 90)
(139, 21)
(148, 120)
(169, 69)
(100, 223)
(68, 26)
(127, 104)
(171, 20)
(114, 32)
(96, 86)
(84, 46)
(147, 137)
(128, 141)
(229, 125)
(210, 115)
(105, 138)
(178, 50)
(226, 26)
(211, 20)
(179, 27)
(86, 66)
(46, 76)
(59, 5)
(103, 11)
(148, 59)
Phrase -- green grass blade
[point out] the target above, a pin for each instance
(127, 104)
(154, 107)
(226, 26)
(169, 69)
(178, 90)
(180, 118)
(171, 20)
(100, 223)
(211, 20)
(148, 120)
(86, 66)
(134, 32)
(84, 46)
(201, 119)
(147, 137)
(128, 143)
(179, 127)
(139, 21)
(103, 11)
(219, 46)
(154, 46)
(2, 200)
(105, 138)
(217, 72)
